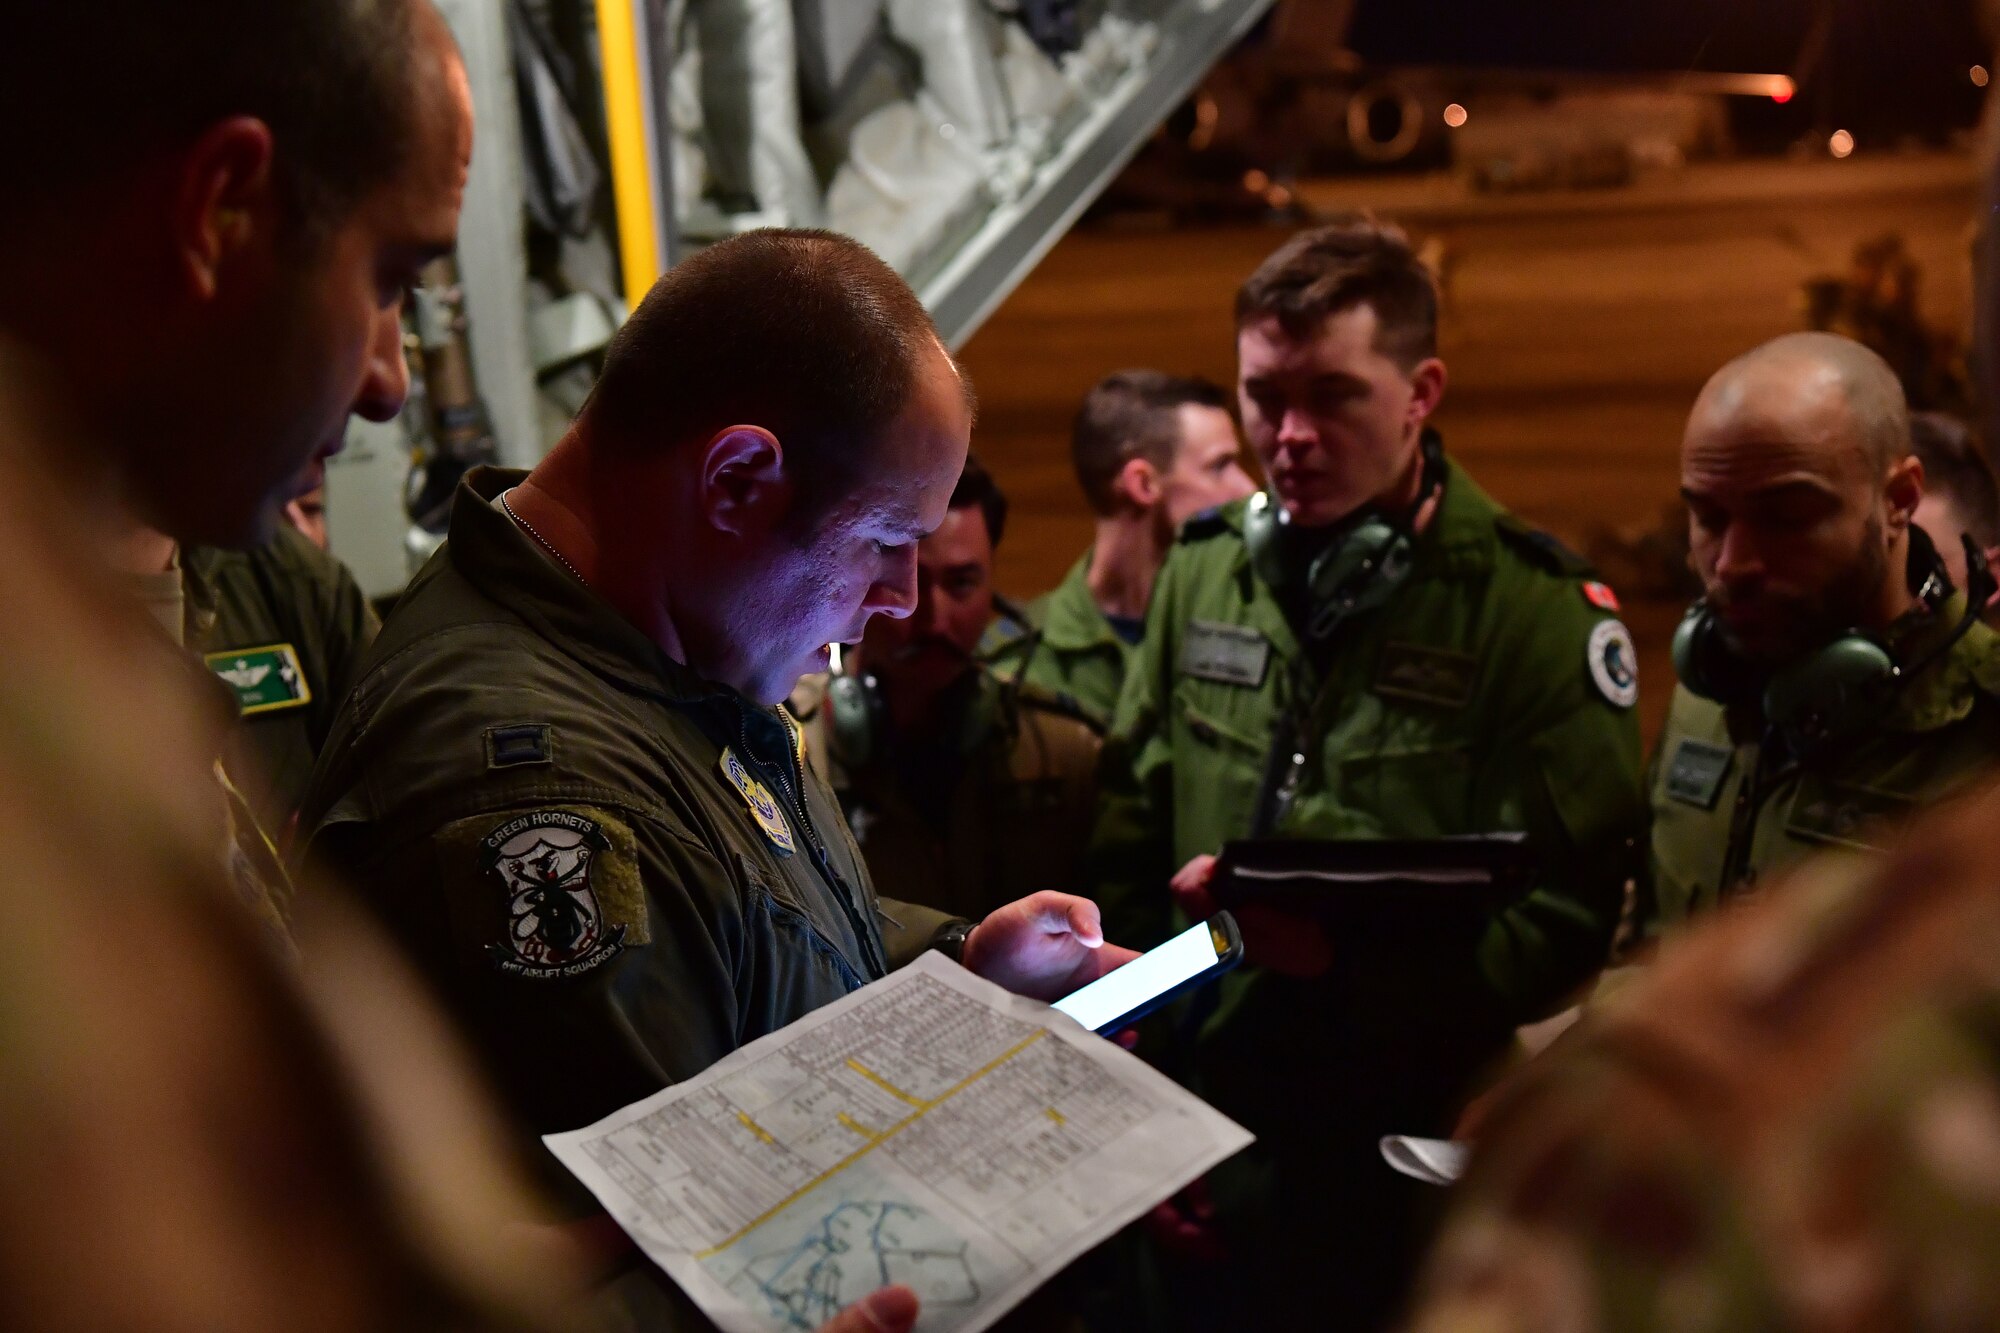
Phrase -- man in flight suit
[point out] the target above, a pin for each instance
(563, 781)
(963, 791)
(1459, 676)
(1801, 491)
(284, 626)
(1151, 451)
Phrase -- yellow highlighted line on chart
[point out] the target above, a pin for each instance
(754, 1127)
(874, 1142)
(857, 1126)
(885, 1084)
(1058, 1116)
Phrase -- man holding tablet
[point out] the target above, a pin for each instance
(1371, 649)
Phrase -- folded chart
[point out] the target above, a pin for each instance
(929, 1129)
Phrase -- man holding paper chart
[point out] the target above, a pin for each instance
(1370, 649)
(563, 780)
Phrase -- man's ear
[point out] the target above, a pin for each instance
(226, 201)
(1427, 384)
(1139, 482)
(745, 487)
(1903, 491)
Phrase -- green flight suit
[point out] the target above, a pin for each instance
(997, 809)
(284, 625)
(613, 871)
(1717, 833)
(1078, 657)
(1476, 701)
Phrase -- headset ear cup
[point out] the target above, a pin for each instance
(1688, 651)
(1262, 518)
(1704, 664)
(1831, 694)
(854, 710)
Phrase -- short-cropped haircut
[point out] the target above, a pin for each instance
(1956, 467)
(90, 88)
(1132, 414)
(1355, 261)
(805, 333)
(976, 486)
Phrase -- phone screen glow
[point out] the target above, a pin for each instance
(1111, 996)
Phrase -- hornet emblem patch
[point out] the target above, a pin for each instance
(555, 926)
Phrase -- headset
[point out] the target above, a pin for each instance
(857, 714)
(1827, 697)
(1366, 563)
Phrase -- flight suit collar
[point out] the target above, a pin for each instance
(1458, 544)
(498, 557)
(202, 601)
(1073, 621)
(1946, 691)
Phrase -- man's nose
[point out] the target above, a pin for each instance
(1296, 430)
(385, 379)
(1737, 557)
(895, 594)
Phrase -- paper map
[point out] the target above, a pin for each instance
(929, 1129)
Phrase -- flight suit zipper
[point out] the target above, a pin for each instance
(792, 783)
(1749, 807)
(1291, 748)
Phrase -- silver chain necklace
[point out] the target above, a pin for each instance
(541, 541)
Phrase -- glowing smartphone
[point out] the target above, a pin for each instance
(1119, 999)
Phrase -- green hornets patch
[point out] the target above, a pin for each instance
(545, 894)
(264, 679)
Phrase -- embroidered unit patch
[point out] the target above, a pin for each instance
(555, 924)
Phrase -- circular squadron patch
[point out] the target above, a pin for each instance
(1614, 663)
(555, 926)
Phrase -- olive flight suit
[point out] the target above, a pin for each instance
(996, 808)
(1729, 807)
(284, 625)
(614, 871)
(1492, 693)
(1071, 650)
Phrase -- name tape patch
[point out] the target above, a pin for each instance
(1427, 675)
(1849, 816)
(1227, 654)
(1696, 771)
(265, 679)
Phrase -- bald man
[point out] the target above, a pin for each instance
(1831, 678)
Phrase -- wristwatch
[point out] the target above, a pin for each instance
(950, 939)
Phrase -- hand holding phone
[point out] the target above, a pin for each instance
(1119, 999)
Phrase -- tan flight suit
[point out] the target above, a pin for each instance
(284, 625)
(191, 1136)
(998, 807)
(1721, 823)
(249, 855)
